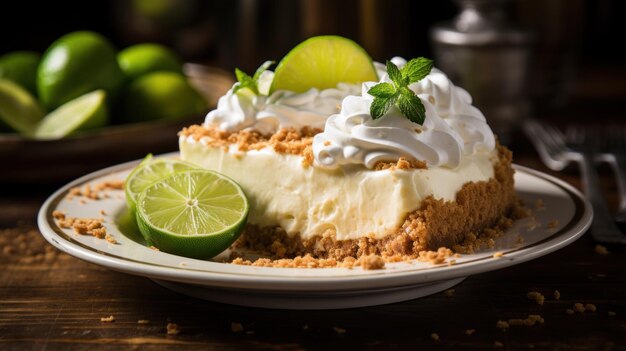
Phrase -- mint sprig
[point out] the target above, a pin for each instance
(387, 94)
(252, 83)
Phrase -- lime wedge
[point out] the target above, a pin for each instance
(197, 213)
(85, 112)
(323, 62)
(148, 172)
(19, 111)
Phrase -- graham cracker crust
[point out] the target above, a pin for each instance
(482, 211)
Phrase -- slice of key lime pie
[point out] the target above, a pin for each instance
(340, 156)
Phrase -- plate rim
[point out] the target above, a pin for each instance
(563, 237)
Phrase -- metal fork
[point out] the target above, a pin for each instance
(614, 153)
(557, 152)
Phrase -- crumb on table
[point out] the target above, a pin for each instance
(601, 250)
(537, 296)
(339, 330)
(108, 319)
(172, 329)
(236, 327)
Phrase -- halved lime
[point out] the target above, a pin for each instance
(85, 112)
(19, 111)
(197, 213)
(148, 172)
(323, 62)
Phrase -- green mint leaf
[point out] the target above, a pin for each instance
(245, 81)
(394, 74)
(380, 106)
(261, 69)
(382, 90)
(411, 106)
(252, 83)
(416, 69)
(241, 75)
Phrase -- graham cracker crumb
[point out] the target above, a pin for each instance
(530, 321)
(108, 319)
(339, 330)
(449, 293)
(590, 307)
(236, 327)
(537, 296)
(372, 262)
(497, 344)
(553, 224)
(504, 325)
(557, 294)
(110, 239)
(539, 205)
(434, 336)
(82, 226)
(401, 163)
(152, 247)
(498, 255)
(579, 307)
(96, 192)
(470, 331)
(601, 250)
(58, 215)
(172, 329)
(103, 213)
(143, 321)
(286, 140)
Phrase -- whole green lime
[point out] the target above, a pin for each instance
(141, 59)
(76, 64)
(21, 67)
(161, 95)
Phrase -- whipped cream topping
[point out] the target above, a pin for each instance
(281, 109)
(452, 128)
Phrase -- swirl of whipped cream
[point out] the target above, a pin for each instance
(281, 109)
(452, 128)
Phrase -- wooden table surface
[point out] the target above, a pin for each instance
(51, 301)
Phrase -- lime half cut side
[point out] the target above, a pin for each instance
(323, 62)
(88, 111)
(148, 172)
(197, 213)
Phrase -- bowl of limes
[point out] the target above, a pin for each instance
(82, 105)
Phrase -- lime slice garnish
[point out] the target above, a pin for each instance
(18, 108)
(323, 62)
(197, 213)
(148, 172)
(85, 112)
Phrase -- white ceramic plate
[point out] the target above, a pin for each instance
(296, 288)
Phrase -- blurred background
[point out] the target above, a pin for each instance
(575, 44)
(556, 59)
